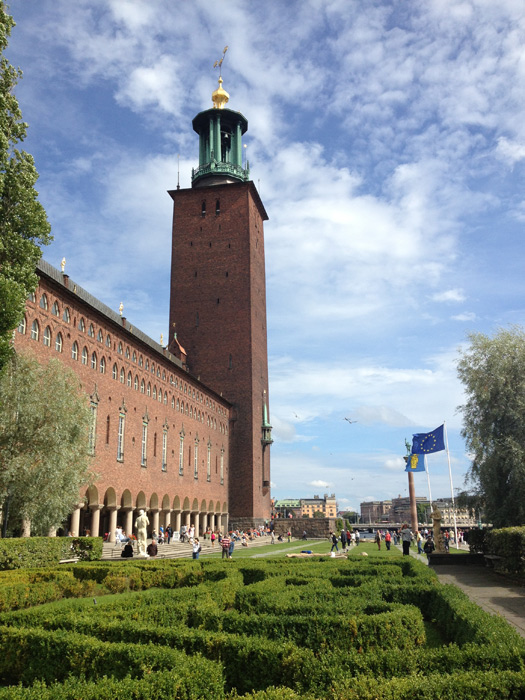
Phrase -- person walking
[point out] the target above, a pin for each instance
(343, 539)
(429, 547)
(333, 537)
(388, 540)
(378, 539)
(196, 548)
(406, 538)
(419, 540)
(357, 537)
(225, 544)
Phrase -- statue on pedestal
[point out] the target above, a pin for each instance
(438, 537)
(141, 525)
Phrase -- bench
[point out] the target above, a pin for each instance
(491, 559)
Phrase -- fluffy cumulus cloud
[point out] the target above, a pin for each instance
(387, 145)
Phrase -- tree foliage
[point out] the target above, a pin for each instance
(44, 427)
(23, 221)
(492, 370)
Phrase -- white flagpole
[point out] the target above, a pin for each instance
(451, 487)
(428, 481)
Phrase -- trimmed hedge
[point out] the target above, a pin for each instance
(26, 552)
(273, 629)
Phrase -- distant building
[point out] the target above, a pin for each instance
(306, 507)
(375, 511)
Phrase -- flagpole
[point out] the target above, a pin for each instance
(428, 481)
(451, 487)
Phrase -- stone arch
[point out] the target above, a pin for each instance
(203, 507)
(110, 498)
(176, 503)
(195, 505)
(154, 501)
(92, 496)
(126, 500)
(210, 507)
(186, 505)
(141, 501)
(165, 502)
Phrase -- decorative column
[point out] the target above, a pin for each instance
(155, 518)
(128, 523)
(178, 518)
(75, 521)
(95, 520)
(224, 523)
(112, 523)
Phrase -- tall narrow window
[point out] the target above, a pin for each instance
(181, 452)
(65, 316)
(196, 459)
(154, 444)
(22, 326)
(47, 336)
(108, 426)
(43, 302)
(94, 361)
(144, 451)
(84, 356)
(114, 371)
(58, 342)
(203, 208)
(218, 206)
(91, 331)
(122, 376)
(100, 337)
(81, 325)
(102, 365)
(222, 465)
(208, 463)
(74, 351)
(130, 379)
(165, 447)
(120, 442)
(54, 309)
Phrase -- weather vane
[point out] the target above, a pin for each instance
(219, 63)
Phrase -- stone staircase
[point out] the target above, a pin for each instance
(178, 550)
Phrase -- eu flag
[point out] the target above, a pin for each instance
(425, 443)
(415, 463)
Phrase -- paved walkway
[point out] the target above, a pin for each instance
(492, 592)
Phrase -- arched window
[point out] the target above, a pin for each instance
(66, 316)
(142, 387)
(134, 356)
(130, 379)
(58, 342)
(173, 402)
(141, 360)
(108, 341)
(54, 309)
(158, 371)
(43, 302)
(102, 365)
(120, 348)
(31, 297)
(147, 365)
(22, 326)
(47, 337)
(127, 352)
(100, 336)
(82, 325)
(114, 371)
(154, 392)
(84, 355)
(148, 392)
(91, 331)
(74, 351)
(153, 368)
(136, 383)
(178, 405)
(122, 376)
(164, 376)
(94, 360)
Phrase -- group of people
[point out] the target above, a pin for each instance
(346, 538)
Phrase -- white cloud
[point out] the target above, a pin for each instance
(318, 484)
(450, 295)
(466, 316)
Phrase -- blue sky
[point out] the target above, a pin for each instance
(387, 141)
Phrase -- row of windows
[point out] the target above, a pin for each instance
(147, 389)
(137, 359)
(144, 445)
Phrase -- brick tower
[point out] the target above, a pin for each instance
(218, 299)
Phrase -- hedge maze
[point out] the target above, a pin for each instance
(275, 630)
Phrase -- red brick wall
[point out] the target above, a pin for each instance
(210, 419)
(218, 306)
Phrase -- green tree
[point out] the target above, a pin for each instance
(318, 514)
(492, 370)
(45, 419)
(23, 221)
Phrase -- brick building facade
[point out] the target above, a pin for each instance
(181, 433)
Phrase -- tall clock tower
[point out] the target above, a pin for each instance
(218, 299)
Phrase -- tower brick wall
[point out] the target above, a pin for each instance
(218, 310)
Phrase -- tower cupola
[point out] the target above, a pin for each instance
(220, 144)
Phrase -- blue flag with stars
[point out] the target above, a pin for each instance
(415, 463)
(425, 443)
